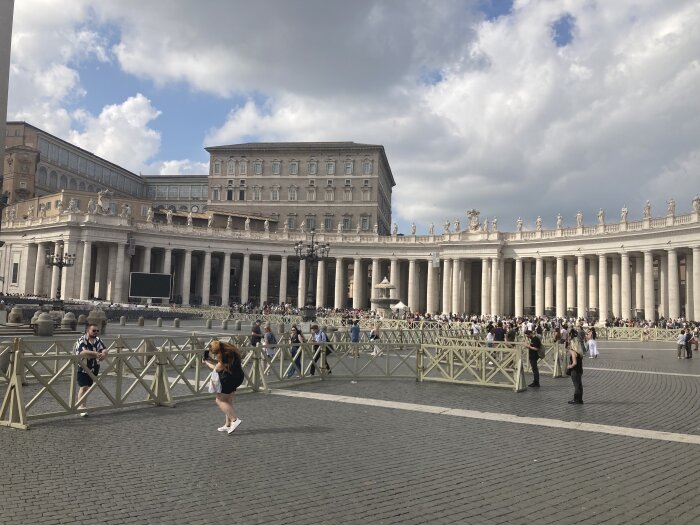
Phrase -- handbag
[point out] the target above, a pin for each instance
(214, 383)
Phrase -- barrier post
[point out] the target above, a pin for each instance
(119, 369)
(520, 384)
(12, 413)
(257, 377)
(160, 386)
(559, 365)
(419, 363)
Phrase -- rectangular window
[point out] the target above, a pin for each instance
(23, 184)
(329, 182)
(348, 168)
(258, 168)
(276, 167)
(330, 195)
(365, 223)
(215, 195)
(347, 182)
(347, 195)
(330, 168)
(144, 210)
(173, 192)
(196, 192)
(231, 169)
(293, 168)
(312, 182)
(365, 195)
(275, 194)
(15, 273)
(291, 223)
(365, 183)
(229, 195)
(241, 195)
(367, 167)
(313, 167)
(257, 194)
(184, 192)
(217, 168)
(310, 195)
(310, 223)
(241, 182)
(347, 223)
(242, 168)
(328, 224)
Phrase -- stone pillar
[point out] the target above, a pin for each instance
(283, 280)
(146, 267)
(320, 283)
(168, 261)
(186, 278)
(663, 284)
(226, 279)
(85, 277)
(412, 286)
(495, 263)
(649, 312)
(467, 279)
(357, 283)
(485, 286)
(615, 281)
(68, 281)
(376, 279)
(581, 286)
(245, 278)
(639, 282)
(527, 285)
(674, 305)
(507, 286)
(561, 289)
(539, 286)
(432, 292)
(548, 284)
(501, 285)
(110, 278)
(625, 287)
(602, 287)
(696, 283)
(446, 286)
(395, 278)
(340, 283)
(264, 279)
(689, 296)
(570, 285)
(57, 250)
(518, 292)
(301, 290)
(593, 284)
(457, 288)
(120, 267)
(39, 273)
(206, 278)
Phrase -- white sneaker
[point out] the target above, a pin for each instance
(222, 429)
(234, 426)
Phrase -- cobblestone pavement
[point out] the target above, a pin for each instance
(307, 460)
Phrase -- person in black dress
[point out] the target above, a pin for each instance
(575, 369)
(228, 366)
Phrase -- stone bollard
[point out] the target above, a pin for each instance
(82, 322)
(140, 321)
(159, 321)
(237, 324)
(122, 321)
(208, 323)
(35, 317)
(69, 322)
(15, 316)
(176, 322)
(224, 324)
(44, 325)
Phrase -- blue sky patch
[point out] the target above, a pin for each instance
(493, 9)
(563, 30)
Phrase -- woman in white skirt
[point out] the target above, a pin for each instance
(592, 344)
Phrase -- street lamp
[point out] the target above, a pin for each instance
(311, 253)
(60, 261)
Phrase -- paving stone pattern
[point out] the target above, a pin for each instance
(310, 461)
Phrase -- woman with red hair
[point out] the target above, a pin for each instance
(228, 366)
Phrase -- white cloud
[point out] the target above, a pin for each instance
(180, 167)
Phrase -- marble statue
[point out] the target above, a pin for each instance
(357, 230)
(647, 210)
(42, 210)
(446, 227)
(91, 206)
(431, 229)
(473, 220)
(73, 206)
(457, 226)
(579, 219)
(169, 216)
(189, 219)
(395, 229)
(538, 223)
(13, 214)
(671, 206)
(302, 227)
(485, 225)
(59, 206)
(340, 227)
(266, 225)
(229, 223)
(696, 204)
(30, 211)
(149, 214)
(286, 227)
(103, 203)
(601, 217)
(247, 224)
(560, 221)
(413, 228)
(494, 224)
(623, 214)
(126, 211)
(519, 225)
(376, 228)
(210, 221)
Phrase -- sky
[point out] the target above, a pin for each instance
(517, 108)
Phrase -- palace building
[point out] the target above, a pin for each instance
(229, 236)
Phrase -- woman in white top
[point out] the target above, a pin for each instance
(592, 344)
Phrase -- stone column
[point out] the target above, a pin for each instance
(431, 295)
(649, 312)
(548, 284)
(581, 286)
(663, 284)
(527, 285)
(507, 286)
(446, 286)
(320, 283)
(119, 274)
(245, 279)
(561, 289)
(495, 263)
(301, 289)
(58, 251)
(168, 261)
(485, 286)
(467, 279)
(206, 278)
(689, 295)
(539, 286)
(625, 286)
(339, 283)
(85, 277)
(110, 278)
(146, 268)
(674, 305)
(501, 285)
(357, 283)
(602, 287)
(30, 262)
(226, 279)
(186, 278)
(412, 286)
(395, 278)
(68, 282)
(570, 285)
(264, 279)
(40, 265)
(616, 300)
(376, 279)
(593, 283)
(283, 280)
(457, 288)
(696, 283)
(518, 287)
(639, 282)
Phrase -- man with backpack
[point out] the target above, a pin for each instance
(320, 339)
(534, 347)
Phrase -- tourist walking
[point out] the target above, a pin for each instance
(374, 338)
(533, 347)
(256, 334)
(680, 342)
(688, 346)
(592, 344)
(269, 341)
(355, 338)
(228, 367)
(320, 339)
(89, 346)
(295, 340)
(574, 368)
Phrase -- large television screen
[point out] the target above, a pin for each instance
(150, 285)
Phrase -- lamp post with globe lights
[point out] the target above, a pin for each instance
(61, 261)
(311, 252)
